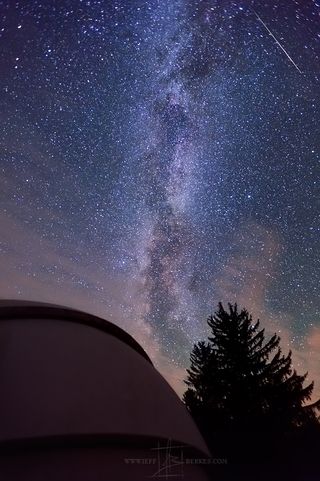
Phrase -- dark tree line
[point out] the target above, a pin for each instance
(242, 390)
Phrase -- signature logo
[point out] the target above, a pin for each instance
(170, 461)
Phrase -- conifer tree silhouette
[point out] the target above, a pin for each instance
(239, 381)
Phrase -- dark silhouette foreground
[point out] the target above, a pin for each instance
(249, 402)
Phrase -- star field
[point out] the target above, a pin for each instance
(159, 157)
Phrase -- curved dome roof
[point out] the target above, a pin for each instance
(66, 373)
(16, 309)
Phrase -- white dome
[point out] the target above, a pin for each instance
(69, 377)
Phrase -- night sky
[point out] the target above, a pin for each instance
(158, 157)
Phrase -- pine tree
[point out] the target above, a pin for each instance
(239, 381)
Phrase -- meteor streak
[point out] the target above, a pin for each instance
(277, 42)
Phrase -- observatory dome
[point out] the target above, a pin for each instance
(80, 399)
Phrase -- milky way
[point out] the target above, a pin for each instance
(160, 156)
